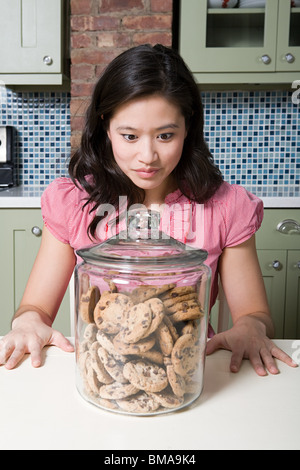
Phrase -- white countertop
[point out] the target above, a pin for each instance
(30, 196)
(41, 409)
(21, 197)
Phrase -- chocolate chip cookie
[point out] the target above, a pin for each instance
(110, 310)
(140, 403)
(87, 304)
(136, 323)
(146, 376)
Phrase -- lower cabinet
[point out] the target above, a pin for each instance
(281, 273)
(292, 295)
(21, 231)
(278, 249)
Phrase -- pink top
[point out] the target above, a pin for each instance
(229, 218)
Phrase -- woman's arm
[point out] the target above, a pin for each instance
(252, 324)
(46, 286)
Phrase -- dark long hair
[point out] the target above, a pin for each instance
(138, 72)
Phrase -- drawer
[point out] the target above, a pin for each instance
(268, 237)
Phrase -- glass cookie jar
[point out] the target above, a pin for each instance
(141, 320)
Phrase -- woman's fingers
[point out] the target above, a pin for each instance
(59, 340)
(262, 353)
(14, 356)
(267, 362)
(282, 356)
(236, 360)
(16, 345)
(215, 343)
(5, 350)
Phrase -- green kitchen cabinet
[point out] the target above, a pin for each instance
(20, 237)
(292, 299)
(279, 257)
(241, 45)
(278, 248)
(272, 264)
(34, 42)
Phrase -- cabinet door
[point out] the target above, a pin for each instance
(228, 40)
(273, 267)
(18, 249)
(30, 32)
(292, 303)
(288, 38)
(275, 234)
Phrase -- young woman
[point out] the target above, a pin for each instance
(143, 139)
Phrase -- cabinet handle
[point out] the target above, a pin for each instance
(37, 231)
(266, 59)
(277, 265)
(288, 226)
(289, 58)
(48, 60)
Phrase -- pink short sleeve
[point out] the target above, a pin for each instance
(244, 215)
(56, 203)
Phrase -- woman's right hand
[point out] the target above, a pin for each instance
(29, 335)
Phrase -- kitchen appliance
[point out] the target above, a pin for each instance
(141, 313)
(8, 167)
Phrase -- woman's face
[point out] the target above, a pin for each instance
(147, 137)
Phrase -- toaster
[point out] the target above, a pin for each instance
(8, 167)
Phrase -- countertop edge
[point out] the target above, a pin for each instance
(30, 197)
(278, 202)
(20, 202)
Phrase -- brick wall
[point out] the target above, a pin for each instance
(100, 30)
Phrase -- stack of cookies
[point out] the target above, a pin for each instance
(139, 352)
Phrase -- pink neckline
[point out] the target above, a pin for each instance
(174, 196)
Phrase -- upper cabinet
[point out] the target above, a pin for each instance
(32, 41)
(241, 45)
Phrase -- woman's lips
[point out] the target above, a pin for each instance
(146, 173)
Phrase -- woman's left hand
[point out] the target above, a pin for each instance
(247, 340)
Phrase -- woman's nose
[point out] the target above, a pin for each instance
(148, 152)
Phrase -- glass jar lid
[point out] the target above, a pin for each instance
(143, 247)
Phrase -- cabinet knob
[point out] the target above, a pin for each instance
(37, 231)
(277, 265)
(288, 226)
(266, 59)
(289, 58)
(48, 60)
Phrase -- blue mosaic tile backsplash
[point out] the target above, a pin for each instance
(42, 122)
(254, 137)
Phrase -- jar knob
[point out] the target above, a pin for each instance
(143, 224)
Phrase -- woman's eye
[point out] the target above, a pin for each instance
(129, 137)
(166, 136)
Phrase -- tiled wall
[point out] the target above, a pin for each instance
(42, 121)
(254, 137)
